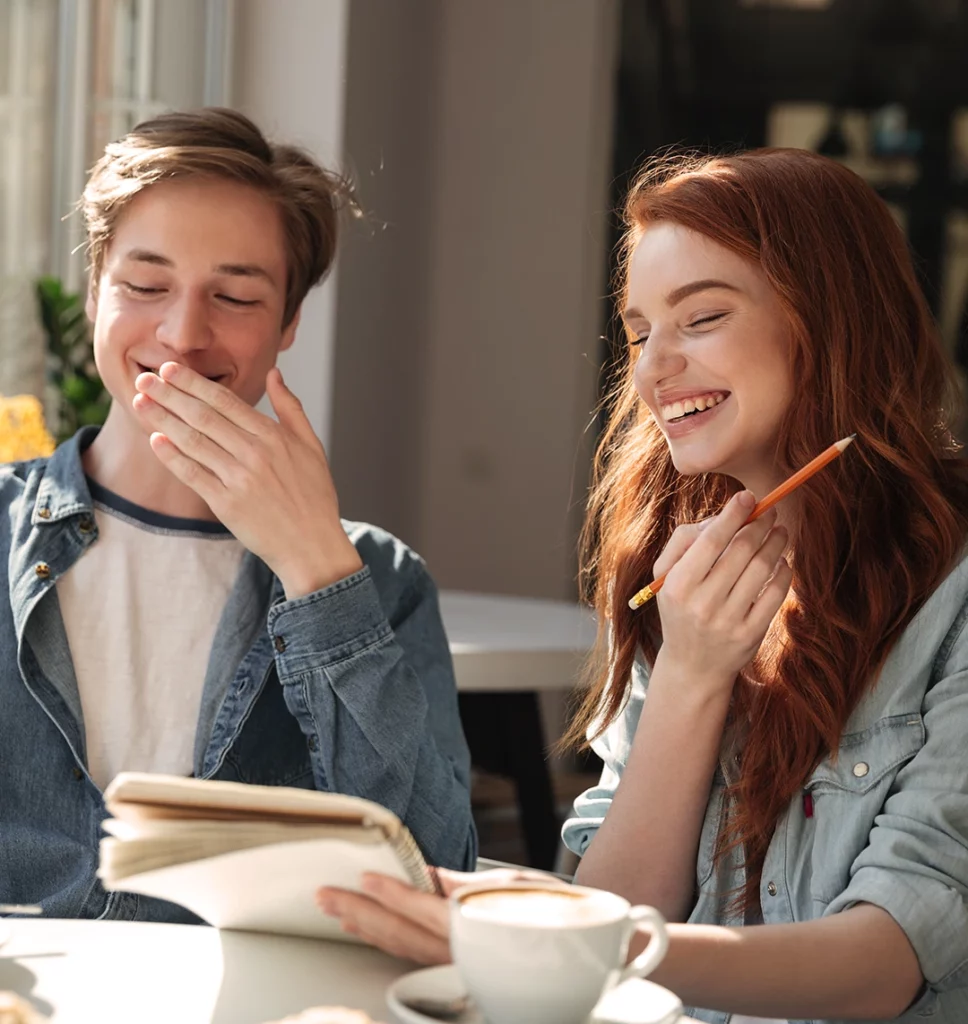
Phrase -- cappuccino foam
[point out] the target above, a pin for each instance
(542, 908)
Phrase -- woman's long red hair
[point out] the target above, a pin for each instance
(883, 524)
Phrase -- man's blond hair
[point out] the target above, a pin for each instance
(217, 143)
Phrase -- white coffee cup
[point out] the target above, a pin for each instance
(536, 952)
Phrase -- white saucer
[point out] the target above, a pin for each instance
(635, 1001)
(429, 983)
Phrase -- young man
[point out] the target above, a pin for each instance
(183, 596)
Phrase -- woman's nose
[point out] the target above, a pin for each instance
(660, 357)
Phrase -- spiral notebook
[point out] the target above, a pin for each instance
(249, 857)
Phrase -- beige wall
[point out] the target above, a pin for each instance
(290, 58)
(469, 311)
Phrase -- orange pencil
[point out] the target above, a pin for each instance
(814, 466)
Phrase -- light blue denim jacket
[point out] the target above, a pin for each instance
(889, 822)
(349, 689)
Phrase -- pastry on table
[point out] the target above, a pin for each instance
(323, 1015)
(14, 1010)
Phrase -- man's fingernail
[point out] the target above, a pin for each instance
(370, 883)
(746, 498)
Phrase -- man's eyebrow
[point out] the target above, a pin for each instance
(244, 270)
(229, 269)
(683, 292)
(147, 256)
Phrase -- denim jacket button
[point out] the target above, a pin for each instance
(861, 769)
(43, 570)
(771, 888)
(280, 643)
(77, 773)
(43, 513)
(86, 525)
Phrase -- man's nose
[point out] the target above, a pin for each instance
(185, 327)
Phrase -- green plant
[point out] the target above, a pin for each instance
(82, 398)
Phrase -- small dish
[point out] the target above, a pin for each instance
(638, 1001)
(430, 985)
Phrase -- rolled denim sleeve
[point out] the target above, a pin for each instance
(613, 747)
(915, 865)
(367, 673)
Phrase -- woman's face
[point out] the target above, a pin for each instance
(713, 354)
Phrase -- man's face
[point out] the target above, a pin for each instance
(195, 274)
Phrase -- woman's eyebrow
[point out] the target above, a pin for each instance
(684, 291)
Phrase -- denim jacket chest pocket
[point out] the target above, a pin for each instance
(845, 794)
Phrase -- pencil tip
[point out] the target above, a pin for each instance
(844, 442)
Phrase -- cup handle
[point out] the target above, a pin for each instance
(650, 957)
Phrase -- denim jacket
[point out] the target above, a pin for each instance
(349, 689)
(884, 821)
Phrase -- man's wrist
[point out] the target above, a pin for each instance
(320, 571)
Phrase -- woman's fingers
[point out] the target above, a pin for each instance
(770, 600)
(694, 565)
(741, 552)
(757, 572)
(682, 539)
(395, 933)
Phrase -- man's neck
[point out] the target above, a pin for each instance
(121, 460)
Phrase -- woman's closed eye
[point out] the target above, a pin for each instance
(232, 301)
(707, 320)
(701, 322)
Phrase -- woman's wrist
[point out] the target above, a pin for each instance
(702, 686)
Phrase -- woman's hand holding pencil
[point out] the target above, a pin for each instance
(726, 580)
(814, 466)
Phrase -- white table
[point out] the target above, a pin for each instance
(112, 972)
(511, 649)
(515, 643)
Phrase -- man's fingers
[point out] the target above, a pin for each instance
(195, 412)
(189, 440)
(288, 408)
(205, 484)
(212, 394)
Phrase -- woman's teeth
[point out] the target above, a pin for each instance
(678, 410)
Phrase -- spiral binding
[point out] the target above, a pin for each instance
(421, 874)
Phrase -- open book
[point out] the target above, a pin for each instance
(249, 857)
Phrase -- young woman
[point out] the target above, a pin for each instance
(795, 788)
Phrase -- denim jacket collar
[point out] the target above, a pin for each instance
(63, 491)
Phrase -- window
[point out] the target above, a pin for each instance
(74, 75)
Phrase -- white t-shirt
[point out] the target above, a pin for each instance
(140, 609)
